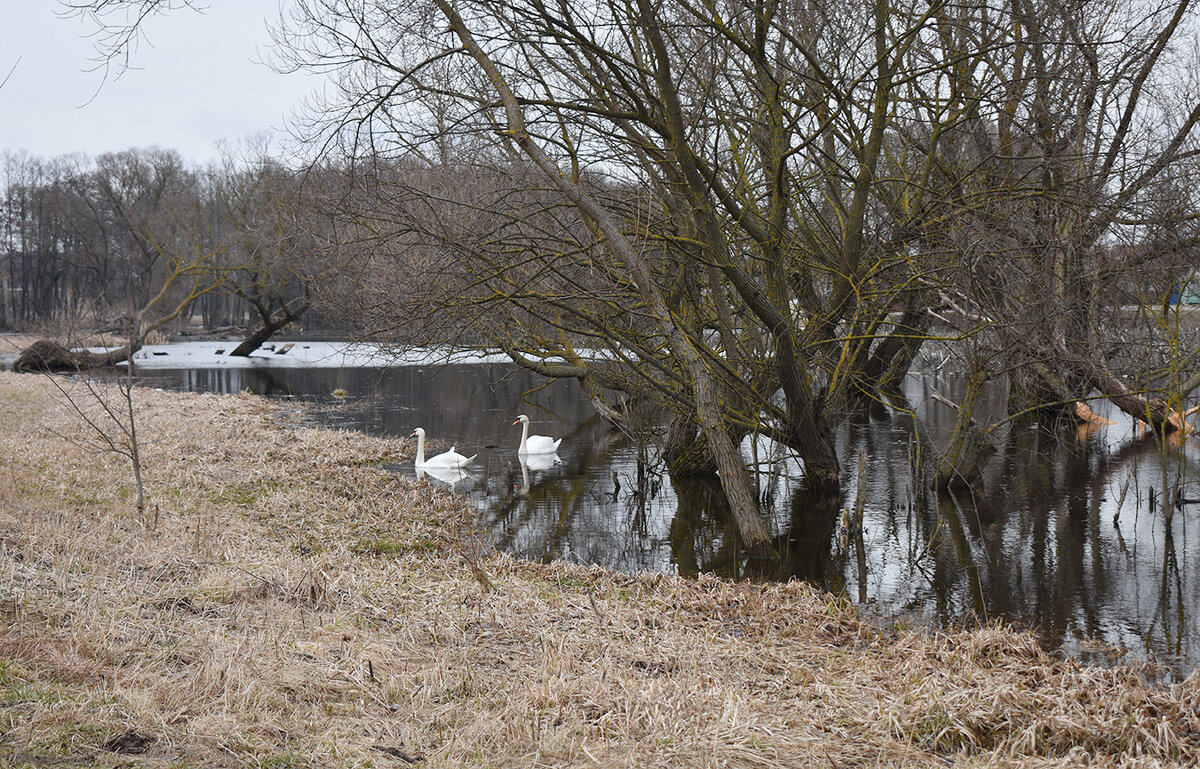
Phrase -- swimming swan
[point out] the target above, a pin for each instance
(534, 444)
(447, 459)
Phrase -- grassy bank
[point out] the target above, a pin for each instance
(286, 602)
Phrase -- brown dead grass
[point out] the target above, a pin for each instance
(12, 344)
(295, 605)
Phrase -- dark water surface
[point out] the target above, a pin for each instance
(1065, 533)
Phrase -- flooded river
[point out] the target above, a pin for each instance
(1066, 533)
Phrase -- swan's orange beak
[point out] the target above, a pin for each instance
(516, 421)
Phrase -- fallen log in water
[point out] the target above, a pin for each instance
(45, 355)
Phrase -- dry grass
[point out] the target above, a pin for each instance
(295, 605)
(12, 344)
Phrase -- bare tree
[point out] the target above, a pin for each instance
(119, 26)
(274, 247)
(150, 206)
(1081, 130)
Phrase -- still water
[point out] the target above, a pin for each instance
(1066, 533)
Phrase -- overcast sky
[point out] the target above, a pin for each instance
(199, 80)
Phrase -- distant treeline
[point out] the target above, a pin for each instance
(88, 242)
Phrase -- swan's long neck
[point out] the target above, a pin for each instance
(420, 449)
(524, 434)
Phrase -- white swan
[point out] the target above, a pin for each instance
(447, 459)
(534, 444)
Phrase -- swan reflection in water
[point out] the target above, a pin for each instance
(448, 475)
(535, 462)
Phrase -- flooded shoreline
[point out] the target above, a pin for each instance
(1064, 533)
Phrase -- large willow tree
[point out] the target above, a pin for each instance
(693, 191)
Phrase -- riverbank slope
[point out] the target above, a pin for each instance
(286, 602)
